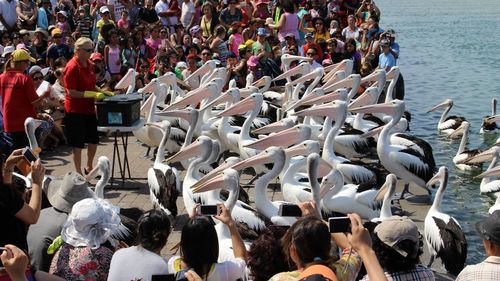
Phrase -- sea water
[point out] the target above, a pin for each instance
(449, 49)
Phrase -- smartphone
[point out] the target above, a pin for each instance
(209, 210)
(1, 251)
(289, 210)
(339, 224)
(163, 277)
(29, 155)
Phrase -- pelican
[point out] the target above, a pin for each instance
(447, 125)
(488, 185)
(463, 154)
(402, 161)
(488, 126)
(266, 207)
(353, 173)
(443, 234)
(345, 199)
(164, 181)
(128, 216)
(387, 190)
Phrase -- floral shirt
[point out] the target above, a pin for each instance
(346, 268)
(81, 263)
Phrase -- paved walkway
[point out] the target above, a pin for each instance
(135, 192)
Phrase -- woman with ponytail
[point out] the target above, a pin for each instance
(142, 261)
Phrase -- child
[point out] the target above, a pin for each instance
(128, 53)
(235, 39)
(123, 22)
(112, 54)
(62, 23)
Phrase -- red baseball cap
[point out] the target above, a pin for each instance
(96, 56)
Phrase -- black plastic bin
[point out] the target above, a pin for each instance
(119, 110)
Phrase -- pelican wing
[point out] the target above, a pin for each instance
(413, 162)
(454, 251)
(451, 122)
(493, 186)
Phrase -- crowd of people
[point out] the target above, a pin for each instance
(59, 56)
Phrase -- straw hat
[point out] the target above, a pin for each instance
(90, 223)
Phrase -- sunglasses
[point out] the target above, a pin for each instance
(38, 78)
(311, 54)
(88, 50)
(205, 54)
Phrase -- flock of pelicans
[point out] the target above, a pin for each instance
(315, 136)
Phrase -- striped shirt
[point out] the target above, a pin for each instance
(489, 269)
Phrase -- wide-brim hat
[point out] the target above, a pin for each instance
(396, 229)
(90, 223)
(489, 227)
(42, 31)
(63, 194)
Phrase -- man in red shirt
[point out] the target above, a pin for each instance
(19, 97)
(81, 93)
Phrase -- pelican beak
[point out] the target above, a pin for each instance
(490, 173)
(373, 77)
(150, 87)
(381, 192)
(324, 188)
(92, 174)
(259, 159)
(192, 98)
(372, 132)
(295, 150)
(169, 78)
(126, 81)
(200, 71)
(289, 58)
(241, 107)
(272, 128)
(334, 78)
(393, 73)
(307, 77)
(324, 168)
(321, 110)
(146, 105)
(299, 69)
(494, 118)
(339, 94)
(226, 97)
(183, 114)
(186, 153)
(482, 157)
(386, 108)
(344, 83)
(212, 174)
(435, 179)
(214, 183)
(441, 105)
(282, 139)
(367, 98)
(261, 82)
(245, 93)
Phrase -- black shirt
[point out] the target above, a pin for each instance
(14, 230)
(148, 15)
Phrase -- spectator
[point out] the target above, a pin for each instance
(85, 252)
(14, 85)
(62, 195)
(208, 22)
(123, 23)
(168, 11)
(81, 92)
(261, 10)
(147, 14)
(230, 14)
(40, 43)
(235, 37)
(27, 13)
(116, 8)
(386, 60)
(335, 48)
(57, 49)
(14, 211)
(488, 270)
(310, 44)
(351, 31)
(313, 54)
(261, 47)
(83, 23)
(144, 260)
(200, 250)
(188, 14)
(250, 33)
(368, 9)
(112, 55)
(44, 15)
(351, 53)
(128, 53)
(105, 20)
(288, 24)
(62, 23)
(320, 30)
(8, 15)
(219, 45)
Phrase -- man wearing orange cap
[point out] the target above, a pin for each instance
(58, 49)
(19, 97)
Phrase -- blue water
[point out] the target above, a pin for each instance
(449, 50)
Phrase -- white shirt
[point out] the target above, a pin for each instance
(315, 65)
(348, 34)
(160, 7)
(136, 263)
(226, 271)
(8, 12)
(187, 13)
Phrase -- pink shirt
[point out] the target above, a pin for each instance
(152, 47)
(291, 26)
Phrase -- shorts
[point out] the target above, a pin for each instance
(81, 129)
